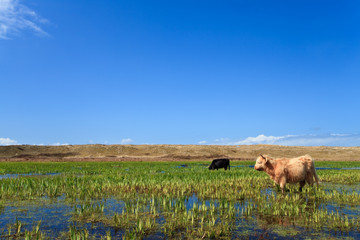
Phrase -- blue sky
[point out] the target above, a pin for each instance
(179, 72)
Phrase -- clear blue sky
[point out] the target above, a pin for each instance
(180, 72)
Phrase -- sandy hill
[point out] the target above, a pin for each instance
(97, 152)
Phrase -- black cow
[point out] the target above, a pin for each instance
(220, 163)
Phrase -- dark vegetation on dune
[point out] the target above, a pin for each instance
(98, 152)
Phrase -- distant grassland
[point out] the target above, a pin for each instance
(97, 152)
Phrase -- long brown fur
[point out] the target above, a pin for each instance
(284, 170)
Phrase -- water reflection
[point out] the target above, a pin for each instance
(4, 176)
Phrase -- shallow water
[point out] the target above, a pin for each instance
(241, 166)
(317, 168)
(182, 166)
(57, 215)
(56, 218)
(4, 176)
(342, 188)
(54, 215)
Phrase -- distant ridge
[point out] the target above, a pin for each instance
(98, 152)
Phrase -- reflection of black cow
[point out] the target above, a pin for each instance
(220, 163)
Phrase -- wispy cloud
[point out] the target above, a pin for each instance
(296, 140)
(7, 141)
(345, 140)
(126, 141)
(261, 139)
(222, 141)
(59, 144)
(16, 17)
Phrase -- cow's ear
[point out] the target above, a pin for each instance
(265, 157)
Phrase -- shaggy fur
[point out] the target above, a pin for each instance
(284, 170)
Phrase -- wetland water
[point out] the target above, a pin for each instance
(2, 176)
(162, 200)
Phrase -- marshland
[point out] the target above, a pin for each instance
(170, 199)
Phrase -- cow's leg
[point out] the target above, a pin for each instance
(302, 184)
(282, 183)
(309, 178)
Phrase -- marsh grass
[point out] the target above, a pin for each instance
(16, 231)
(187, 202)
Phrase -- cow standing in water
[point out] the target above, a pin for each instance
(220, 163)
(284, 170)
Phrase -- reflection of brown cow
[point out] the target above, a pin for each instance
(284, 170)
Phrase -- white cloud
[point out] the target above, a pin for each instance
(339, 135)
(297, 140)
(261, 139)
(7, 141)
(126, 141)
(222, 141)
(59, 144)
(322, 140)
(202, 142)
(15, 17)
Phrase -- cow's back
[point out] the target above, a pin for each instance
(220, 163)
(295, 170)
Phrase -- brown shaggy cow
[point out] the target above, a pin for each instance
(284, 170)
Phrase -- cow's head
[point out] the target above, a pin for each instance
(260, 163)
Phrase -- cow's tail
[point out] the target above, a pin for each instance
(314, 173)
